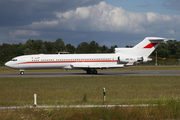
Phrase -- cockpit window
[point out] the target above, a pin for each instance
(14, 60)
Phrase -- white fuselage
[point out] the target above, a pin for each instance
(63, 61)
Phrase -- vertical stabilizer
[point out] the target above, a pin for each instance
(147, 46)
(144, 48)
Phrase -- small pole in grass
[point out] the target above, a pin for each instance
(156, 58)
(104, 95)
(35, 101)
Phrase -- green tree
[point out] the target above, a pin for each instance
(93, 47)
(38, 46)
(70, 48)
(20, 49)
(83, 48)
(29, 46)
(7, 52)
(27, 51)
(111, 50)
(172, 47)
(43, 49)
(162, 51)
(104, 49)
(49, 47)
(59, 45)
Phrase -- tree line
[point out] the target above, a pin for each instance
(169, 50)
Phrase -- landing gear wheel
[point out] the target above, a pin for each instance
(22, 73)
(91, 71)
(94, 72)
(88, 71)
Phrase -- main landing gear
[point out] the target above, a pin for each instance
(91, 71)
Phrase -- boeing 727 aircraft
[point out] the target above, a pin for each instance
(89, 62)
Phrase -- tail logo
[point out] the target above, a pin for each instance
(150, 45)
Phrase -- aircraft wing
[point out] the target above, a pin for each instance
(95, 66)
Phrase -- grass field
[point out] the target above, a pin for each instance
(161, 90)
(71, 90)
(169, 111)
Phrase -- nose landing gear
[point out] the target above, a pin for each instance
(21, 72)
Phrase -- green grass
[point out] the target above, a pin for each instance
(169, 110)
(71, 90)
(161, 90)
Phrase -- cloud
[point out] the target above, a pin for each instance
(172, 4)
(44, 24)
(106, 18)
(24, 33)
(24, 12)
(101, 17)
(172, 32)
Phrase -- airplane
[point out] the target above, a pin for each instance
(88, 62)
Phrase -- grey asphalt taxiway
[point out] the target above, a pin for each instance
(100, 73)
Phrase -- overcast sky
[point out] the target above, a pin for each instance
(108, 22)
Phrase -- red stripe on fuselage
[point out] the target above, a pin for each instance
(65, 61)
(150, 45)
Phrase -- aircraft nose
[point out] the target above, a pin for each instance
(7, 64)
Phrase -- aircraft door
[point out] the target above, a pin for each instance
(118, 61)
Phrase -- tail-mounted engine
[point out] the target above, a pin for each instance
(143, 59)
(132, 59)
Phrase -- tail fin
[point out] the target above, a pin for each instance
(144, 48)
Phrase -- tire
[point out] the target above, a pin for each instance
(94, 72)
(88, 71)
(22, 73)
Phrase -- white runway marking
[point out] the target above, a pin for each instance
(73, 106)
